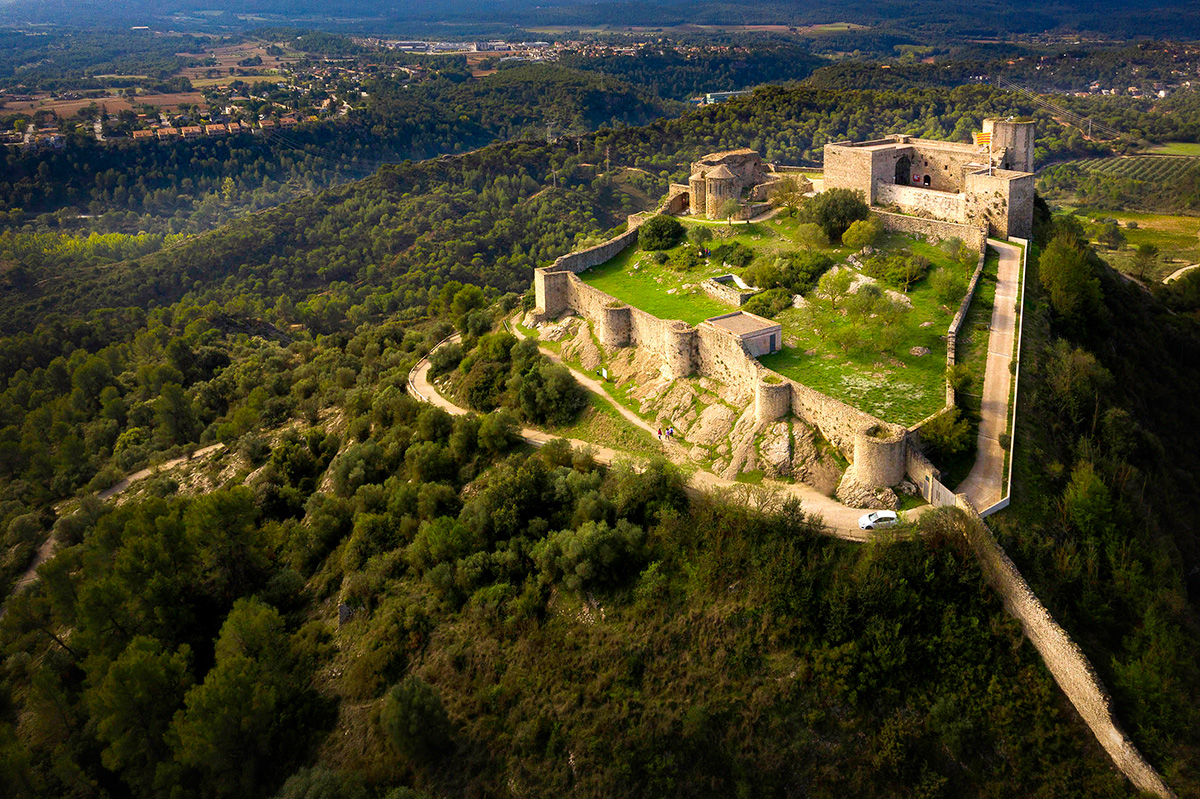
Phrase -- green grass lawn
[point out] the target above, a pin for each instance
(899, 388)
(633, 277)
(657, 289)
(1177, 148)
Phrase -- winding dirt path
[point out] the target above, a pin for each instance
(841, 521)
(46, 550)
(1178, 273)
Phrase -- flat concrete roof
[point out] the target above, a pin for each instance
(743, 323)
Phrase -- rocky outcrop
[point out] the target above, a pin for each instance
(583, 348)
(853, 493)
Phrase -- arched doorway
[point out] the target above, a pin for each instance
(925, 182)
(903, 170)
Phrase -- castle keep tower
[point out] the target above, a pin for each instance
(1015, 137)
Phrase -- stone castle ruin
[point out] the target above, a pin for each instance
(986, 185)
(944, 189)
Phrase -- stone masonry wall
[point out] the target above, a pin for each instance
(723, 292)
(939, 203)
(957, 321)
(1069, 666)
(975, 238)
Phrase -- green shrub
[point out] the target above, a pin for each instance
(593, 555)
(660, 233)
(948, 286)
(445, 358)
(769, 302)
(946, 435)
(734, 253)
(415, 721)
(862, 233)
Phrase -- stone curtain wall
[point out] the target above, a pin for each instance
(584, 260)
(1066, 661)
(956, 323)
(975, 238)
(837, 421)
(938, 203)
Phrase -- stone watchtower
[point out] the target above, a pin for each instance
(696, 194)
(719, 185)
(1015, 137)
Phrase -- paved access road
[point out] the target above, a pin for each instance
(985, 484)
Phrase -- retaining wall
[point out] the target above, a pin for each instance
(975, 238)
(939, 203)
(1070, 667)
(956, 323)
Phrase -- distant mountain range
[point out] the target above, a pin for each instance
(1131, 18)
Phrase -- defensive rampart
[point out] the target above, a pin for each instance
(1070, 667)
(973, 237)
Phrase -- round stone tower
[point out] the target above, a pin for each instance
(696, 194)
(720, 185)
(615, 326)
(1015, 135)
(680, 339)
(879, 455)
(772, 400)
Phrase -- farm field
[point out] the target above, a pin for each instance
(1176, 237)
(1177, 148)
(1163, 167)
(901, 387)
(225, 79)
(66, 108)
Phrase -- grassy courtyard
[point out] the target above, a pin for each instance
(669, 293)
(887, 381)
(897, 387)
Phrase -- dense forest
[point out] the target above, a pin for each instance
(357, 595)
(680, 75)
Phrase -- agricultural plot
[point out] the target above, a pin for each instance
(1177, 148)
(1176, 237)
(1151, 168)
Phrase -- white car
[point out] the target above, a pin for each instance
(878, 519)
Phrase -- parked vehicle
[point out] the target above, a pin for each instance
(878, 519)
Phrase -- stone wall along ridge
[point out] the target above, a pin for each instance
(1067, 664)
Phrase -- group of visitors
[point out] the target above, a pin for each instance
(669, 432)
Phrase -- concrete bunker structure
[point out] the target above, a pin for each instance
(987, 184)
